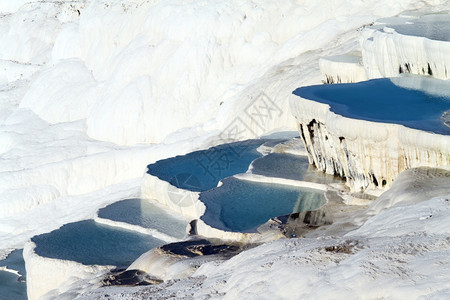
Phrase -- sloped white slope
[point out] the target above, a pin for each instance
(69, 84)
(29, 33)
(422, 183)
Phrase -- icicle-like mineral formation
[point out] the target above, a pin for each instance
(349, 129)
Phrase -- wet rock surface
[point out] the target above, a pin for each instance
(130, 278)
(445, 117)
(347, 247)
(200, 247)
(329, 218)
(297, 224)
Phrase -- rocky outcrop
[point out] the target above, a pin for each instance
(129, 278)
(182, 259)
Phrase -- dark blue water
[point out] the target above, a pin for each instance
(202, 170)
(241, 206)
(90, 243)
(380, 100)
(290, 166)
(12, 286)
(145, 214)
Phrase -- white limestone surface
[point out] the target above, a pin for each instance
(413, 186)
(76, 91)
(32, 27)
(11, 71)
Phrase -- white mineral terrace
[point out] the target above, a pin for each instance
(342, 68)
(418, 45)
(370, 154)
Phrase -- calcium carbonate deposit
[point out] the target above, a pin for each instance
(93, 93)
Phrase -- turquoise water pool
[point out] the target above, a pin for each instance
(290, 166)
(145, 214)
(89, 243)
(380, 100)
(11, 285)
(242, 206)
(202, 170)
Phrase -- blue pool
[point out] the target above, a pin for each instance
(11, 286)
(433, 27)
(89, 243)
(202, 170)
(290, 166)
(380, 100)
(145, 214)
(241, 206)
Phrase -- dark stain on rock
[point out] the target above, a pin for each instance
(194, 248)
(130, 278)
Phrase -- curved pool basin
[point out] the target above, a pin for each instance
(90, 243)
(242, 206)
(380, 100)
(289, 166)
(144, 214)
(201, 170)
